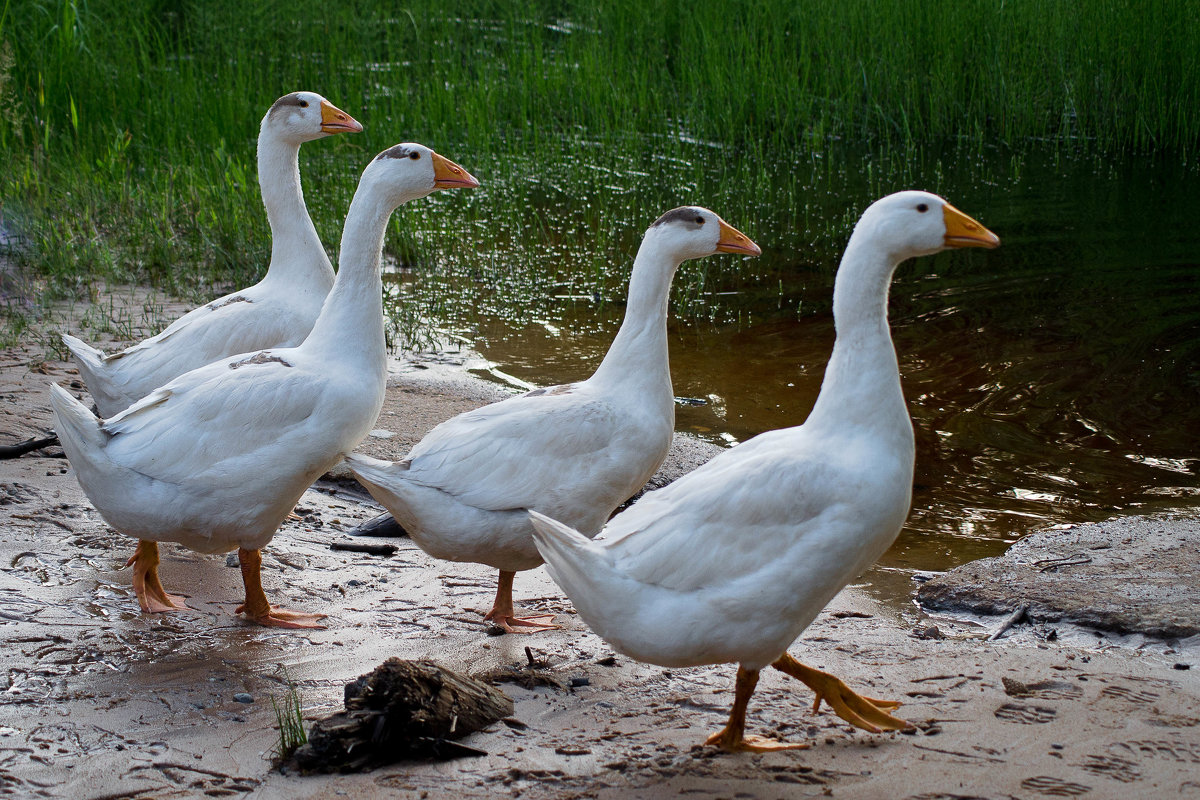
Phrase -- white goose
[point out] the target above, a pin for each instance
(575, 451)
(278, 311)
(216, 458)
(732, 562)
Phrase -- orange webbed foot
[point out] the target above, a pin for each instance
(868, 713)
(276, 617)
(503, 614)
(149, 590)
(508, 621)
(257, 608)
(731, 742)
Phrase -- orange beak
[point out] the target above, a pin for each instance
(448, 175)
(962, 231)
(334, 120)
(734, 241)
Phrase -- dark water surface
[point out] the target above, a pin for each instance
(1053, 380)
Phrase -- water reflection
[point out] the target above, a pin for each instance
(1052, 380)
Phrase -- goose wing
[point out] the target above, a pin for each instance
(212, 423)
(236, 323)
(728, 519)
(511, 454)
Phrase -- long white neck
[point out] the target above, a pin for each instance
(862, 381)
(638, 354)
(298, 260)
(349, 330)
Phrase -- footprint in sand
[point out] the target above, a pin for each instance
(1044, 690)
(1114, 767)
(1123, 694)
(1025, 714)
(1171, 750)
(1054, 787)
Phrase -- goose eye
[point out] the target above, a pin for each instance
(922, 208)
(414, 156)
(304, 104)
(699, 220)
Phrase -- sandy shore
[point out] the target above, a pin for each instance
(100, 701)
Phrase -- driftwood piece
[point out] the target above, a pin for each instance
(1015, 617)
(530, 676)
(27, 446)
(525, 678)
(401, 709)
(383, 525)
(370, 549)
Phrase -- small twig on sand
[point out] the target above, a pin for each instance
(372, 549)
(1052, 564)
(1011, 620)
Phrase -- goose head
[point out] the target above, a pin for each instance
(695, 232)
(304, 116)
(409, 171)
(910, 224)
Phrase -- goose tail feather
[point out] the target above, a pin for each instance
(78, 428)
(369, 470)
(575, 561)
(89, 360)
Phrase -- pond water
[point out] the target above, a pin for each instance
(1053, 380)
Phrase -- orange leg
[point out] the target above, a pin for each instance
(733, 736)
(862, 712)
(504, 615)
(149, 590)
(256, 606)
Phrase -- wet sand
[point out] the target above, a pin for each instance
(98, 700)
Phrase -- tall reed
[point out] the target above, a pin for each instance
(128, 128)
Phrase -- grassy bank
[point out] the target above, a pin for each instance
(128, 128)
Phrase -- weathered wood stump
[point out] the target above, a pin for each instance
(401, 709)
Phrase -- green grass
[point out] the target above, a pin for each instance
(765, 73)
(128, 128)
(289, 716)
